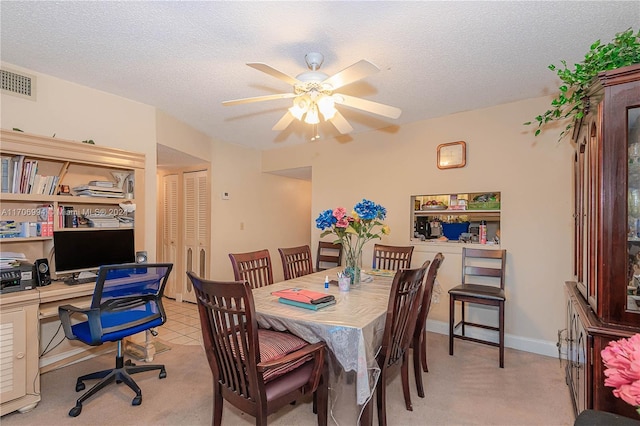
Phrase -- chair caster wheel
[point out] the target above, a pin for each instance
(163, 374)
(137, 400)
(75, 411)
(79, 387)
(129, 362)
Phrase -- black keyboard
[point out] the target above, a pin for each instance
(76, 281)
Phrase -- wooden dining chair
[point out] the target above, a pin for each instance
(253, 267)
(296, 261)
(404, 301)
(483, 272)
(258, 371)
(419, 343)
(329, 255)
(392, 258)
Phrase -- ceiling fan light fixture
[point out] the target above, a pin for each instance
(326, 105)
(300, 106)
(312, 116)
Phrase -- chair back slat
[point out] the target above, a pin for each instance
(428, 291)
(483, 266)
(404, 301)
(392, 258)
(329, 255)
(254, 267)
(230, 334)
(296, 261)
(130, 291)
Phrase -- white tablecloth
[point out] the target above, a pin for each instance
(352, 330)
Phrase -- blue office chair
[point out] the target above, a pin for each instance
(127, 300)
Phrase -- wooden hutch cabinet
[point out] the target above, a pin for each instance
(603, 301)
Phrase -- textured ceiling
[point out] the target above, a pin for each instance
(436, 58)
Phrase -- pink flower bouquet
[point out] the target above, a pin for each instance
(622, 359)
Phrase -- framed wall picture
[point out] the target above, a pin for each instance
(452, 155)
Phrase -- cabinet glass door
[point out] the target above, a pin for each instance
(633, 210)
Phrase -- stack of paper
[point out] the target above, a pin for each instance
(102, 183)
(103, 221)
(98, 191)
(8, 258)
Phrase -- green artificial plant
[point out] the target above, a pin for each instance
(570, 103)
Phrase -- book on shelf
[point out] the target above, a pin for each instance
(311, 306)
(16, 166)
(68, 218)
(45, 219)
(5, 162)
(20, 176)
(9, 229)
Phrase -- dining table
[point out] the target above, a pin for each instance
(352, 329)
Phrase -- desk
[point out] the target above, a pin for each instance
(20, 321)
(25, 318)
(352, 330)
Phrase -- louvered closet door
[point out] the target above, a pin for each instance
(196, 228)
(13, 374)
(170, 236)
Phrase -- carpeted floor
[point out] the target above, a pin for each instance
(466, 389)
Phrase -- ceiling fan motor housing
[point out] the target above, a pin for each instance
(314, 60)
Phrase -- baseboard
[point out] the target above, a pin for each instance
(536, 346)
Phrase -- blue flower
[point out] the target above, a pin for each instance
(325, 220)
(382, 212)
(367, 210)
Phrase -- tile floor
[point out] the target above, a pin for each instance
(183, 323)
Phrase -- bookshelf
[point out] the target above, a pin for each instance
(34, 171)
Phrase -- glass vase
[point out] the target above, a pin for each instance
(353, 266)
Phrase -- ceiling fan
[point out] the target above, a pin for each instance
(313, 94)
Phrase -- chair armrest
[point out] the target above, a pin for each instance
(93, 318)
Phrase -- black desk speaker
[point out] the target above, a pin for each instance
(43, 273)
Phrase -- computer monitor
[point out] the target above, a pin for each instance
(87, 250)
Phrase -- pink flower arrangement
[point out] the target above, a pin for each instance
(622, 359)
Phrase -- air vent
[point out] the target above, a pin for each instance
(18, 84)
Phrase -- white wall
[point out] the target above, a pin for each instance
(264, 210)
(532, 174)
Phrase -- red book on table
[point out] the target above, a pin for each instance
(303, 295)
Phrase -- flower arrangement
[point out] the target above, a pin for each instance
(622, 359)
(353, 231)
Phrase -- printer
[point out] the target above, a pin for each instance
(18, 276)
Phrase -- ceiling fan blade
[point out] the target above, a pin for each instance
(352, 73)
(284, 122)
(341, 123)
(369, 106)
(258, 99)
(274, 72)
